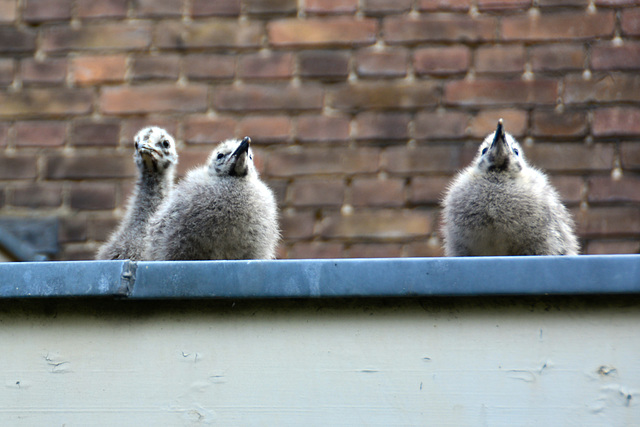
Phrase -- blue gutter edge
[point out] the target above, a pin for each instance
(325, 278)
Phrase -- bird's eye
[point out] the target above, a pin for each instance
(136, 145)
(515, 150)
(165, 143)
(220, 155)
(484, 150)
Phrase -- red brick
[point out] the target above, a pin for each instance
(77, 252)
(100, 229)
(72, 229)
(215, 8)
(500, 59)
(46, 10)
(609, 221)
(101, 36)
(266, 128)
(270, 6)
(45, 102)
(8, 10)
(208, 66)
(14, 40)
(630, 155)
(569, 187)
(316, 250)
(501, 92)
(403, 29)
(210, 33)
(630, 22)
(278, 186)
(612, 88)
(89, 167)
(558, 25)
(192, 159)
(156, 67)
(254, 97)
(607, 56)
(375, 250)
(330, 65)
(18, 167)
(93, 196)
(377, 192)
(322, 32)
(616, 121)
(428, 190)
(571, 156)
(515, 122)
(384, 95)
(297, 225)
(435, 158)
(4, 134)
(551, 124)
(383, 7)
(271, 65)
(322, 128)
(603, 247)
(562, 3)
(485, 5)
(102, 134)
(88, 70)
(386, 126)
(431, 247)
(605, 189)
(437, 125)
(433, 5)
(330, 6)
(49, 71)
(382, 63)
(208, 130)
(317, 192)
(387, 225)
(157, 8)
(6, 71)
(37, 195)
(131, 126)
(616, 3)
(310, 161)
(40, 134)
(101, 9)
(153, 98)
(441, 60)
(557, 57)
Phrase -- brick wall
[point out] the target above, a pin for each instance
(360, 110)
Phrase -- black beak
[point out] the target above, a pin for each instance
(243, 147)
(499, 140)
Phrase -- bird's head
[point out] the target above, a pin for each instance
(500, 153)
(155, 149)
(234, 158)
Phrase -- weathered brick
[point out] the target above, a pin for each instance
(292, 161)
(92, 196)
(37, 195)
(97, 36)
(100, 229)
(441, 60)
(8, 10)
(156, 67)
(616, 3)
(131, 126)
(571, 156)
(565, 3)
(431, 247)
(103, 134)
(436, 158)
(215, 8)
(46, 10)
(317, 192)
(616, 121)
(18, 167)
(45, 102)
(377, 192)
(89, 70)
(271, 65)
(153, 98)
(500, 59)
(49, 71)
(376, 95)
(88, 167)
(383, 7)
(192, 159)
(101, 9)
(157, 8)
(201, 67)
(212, 32)
(322, 128)
(330, 65)
(427, 189)
(408, 29)
(266, 128)
(630, 22)
(278, 186)
(569, 187)
(609, 221)
(557, 57)
(4, 134)
(603, 247)
(297, 225)
(208, 130)
(337, 31)
(77, 252)
(14, 40)
(330, 6)
(382, 63)
(253, 97)
(387, 225)
(560, 25)
(485, 5)
(6, 71)
(437, 125)
(551, 124)
(501, 92)
(453, 5)
(41, 134)
(605, 189)
(72, 229)
(270, 6)
(608, 56)
(316, 250)
(613, 87)
(630, 155)
(515, 122)
(385, 126)
(375, 250)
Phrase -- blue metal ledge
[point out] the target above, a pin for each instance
(389, 277)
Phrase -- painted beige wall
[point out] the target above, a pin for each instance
(438, 362)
